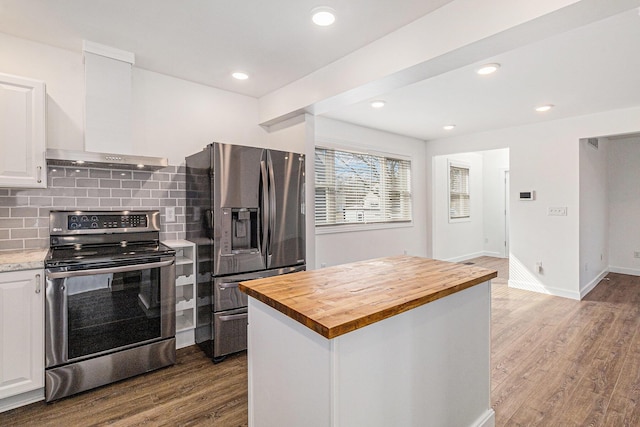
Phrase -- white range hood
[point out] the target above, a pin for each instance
(108, 134)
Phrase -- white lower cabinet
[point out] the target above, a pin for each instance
(21, 338)
(185, 291)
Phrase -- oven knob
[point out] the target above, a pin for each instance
(94, 225)
(74, 218)
(85, 218)
(94, 218)
(73, 225)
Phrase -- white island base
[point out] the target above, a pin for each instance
(429, 366)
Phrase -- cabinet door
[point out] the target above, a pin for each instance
(21, 332)
(22, 133)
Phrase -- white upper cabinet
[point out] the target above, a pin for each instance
(22, 133)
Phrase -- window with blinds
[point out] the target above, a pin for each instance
(459, 200)
(356, 188)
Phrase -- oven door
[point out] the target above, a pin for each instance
(95, 311)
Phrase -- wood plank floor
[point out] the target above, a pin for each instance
(555, 362)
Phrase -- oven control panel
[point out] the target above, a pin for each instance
(103, 222)
(74, 223)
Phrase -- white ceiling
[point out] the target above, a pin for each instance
(587, 70)
(204, 41)
(590, 69)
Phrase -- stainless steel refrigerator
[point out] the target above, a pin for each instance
(245, 212)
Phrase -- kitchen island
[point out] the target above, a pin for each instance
(399, 341)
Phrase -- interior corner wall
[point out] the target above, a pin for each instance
(460, 240)
(172, 118)
(544, 157)
(343, 247)
(624, 205)
(594, 214)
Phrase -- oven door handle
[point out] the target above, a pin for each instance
(122, 269)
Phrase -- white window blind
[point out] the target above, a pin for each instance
(459, 200)
(356, 188)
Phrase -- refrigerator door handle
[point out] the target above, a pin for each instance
(264, 211)
(272, 208)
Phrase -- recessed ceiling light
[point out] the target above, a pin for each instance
(240, 75)
(448, 127)
(543, 108)
(378, 104)
(488, 69)
(323, 16)
(140, 166)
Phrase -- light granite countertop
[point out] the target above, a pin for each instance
(27, 259)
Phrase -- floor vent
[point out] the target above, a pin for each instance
(468, 263)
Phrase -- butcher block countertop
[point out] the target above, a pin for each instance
(336, 300)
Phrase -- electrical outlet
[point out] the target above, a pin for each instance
(636, 254)
(557, 211)
(170, 214)
(323, 264)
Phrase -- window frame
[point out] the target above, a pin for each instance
(460, 165)
(363, 226)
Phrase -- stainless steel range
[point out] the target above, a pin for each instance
(110, 299)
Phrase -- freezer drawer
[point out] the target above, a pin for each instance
(227, 295)
(230, 331)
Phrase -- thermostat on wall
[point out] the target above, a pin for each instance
(527, 195)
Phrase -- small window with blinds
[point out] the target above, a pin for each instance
(357, 188)
(459, 200)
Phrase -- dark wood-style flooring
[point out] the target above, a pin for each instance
(555, 362)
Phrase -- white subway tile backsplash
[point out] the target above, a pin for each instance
(24, 213)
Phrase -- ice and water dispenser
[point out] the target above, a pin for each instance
(240, 230)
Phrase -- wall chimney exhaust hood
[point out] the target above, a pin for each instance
(108, 135)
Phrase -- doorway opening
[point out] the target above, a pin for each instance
(484, 233)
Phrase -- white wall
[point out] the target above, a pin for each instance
(63, 73)
(495, 163)
(171, 117)
(343, 247)
(457, 241)
(624, 205)
(175, 118)
(594, 214)
(543, 157)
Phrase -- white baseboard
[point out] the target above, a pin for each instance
(592, 284)
(21, 399)
(488, 419)
(624, 270)
(474, 255)
(537, 287)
